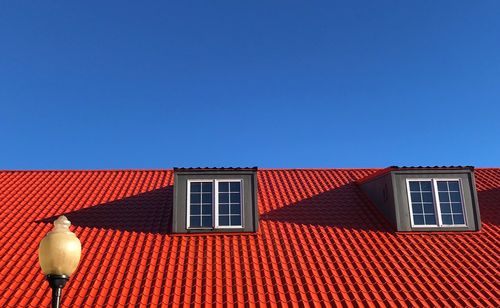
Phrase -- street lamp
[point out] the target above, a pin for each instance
(59, 254)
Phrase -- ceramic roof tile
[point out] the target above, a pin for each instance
(320, 241)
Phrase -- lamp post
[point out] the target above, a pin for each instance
(59, 253)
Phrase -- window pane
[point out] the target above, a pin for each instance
(236, 220)
(200, 207)
(442, 186)
(223, 198)
(451, 208)
(446, 219)
(445, 208)
(444, 197)
(425, 185)
(223, 186)
(417, 209)
(430, 219)
(427, 197)
(455, 197)
(418, 219)
(458, 219)
(224, 209)
(206, 198)
(223, 220)
(229, 203)
(194, 221)
(235, 198)
(453, 185)
(195, 186)
(429, 208)
(206, 221)
(456, 208)
(207, 187)
(207, 209)
(235, 186)
(422, 203)
(235, 209)
(416, 197)
(195, 209)
(414, 186)
(195, 198)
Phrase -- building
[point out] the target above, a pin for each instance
(333, 237)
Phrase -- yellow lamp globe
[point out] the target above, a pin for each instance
(60, 250)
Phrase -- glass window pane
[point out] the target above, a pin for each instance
(235, 186)
(425, 185)
(445, 208)
(235, 209)
(418, 219)
(430, 219)
(453, 185)
(195, 198)
(456, 208)
(223, 208)
(444, 197)
(450, 205)
(416, 197)
(194, 221)
(458, 219)
(442, 186)
(414, 186)
(206, 221)
(223, 198)
(427, 197)
(446, 219)
(207, 209)
(235, 198)
(206, 198)
(195, 186)
(223, 220)
(223, 186)
(455, 197)
(206, 187)
(417, 208)
(429, 208)
(195, 209)
(236, 220)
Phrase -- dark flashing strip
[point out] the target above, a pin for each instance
(432, 167)
(216, 169)
(402, 168)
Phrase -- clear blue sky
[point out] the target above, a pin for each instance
(157, 84)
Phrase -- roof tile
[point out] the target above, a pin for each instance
(320, 241)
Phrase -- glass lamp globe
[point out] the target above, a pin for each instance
(60, 250)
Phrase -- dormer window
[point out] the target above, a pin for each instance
(436, 202)
(215, 200)
(214, 204)
(425, 198)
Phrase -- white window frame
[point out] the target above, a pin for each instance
(215, 204)
(436, 201)
(189, 204)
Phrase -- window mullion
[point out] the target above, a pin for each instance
(215, 205)
(435, 192)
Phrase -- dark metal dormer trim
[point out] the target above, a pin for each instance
(425, 198)
(205, 197)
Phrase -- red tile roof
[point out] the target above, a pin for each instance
(320, 241)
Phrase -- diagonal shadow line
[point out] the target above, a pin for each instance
(344, 207)
(148, 212)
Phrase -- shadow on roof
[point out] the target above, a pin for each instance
(148, 212)
(343, 207)
(489, 206)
